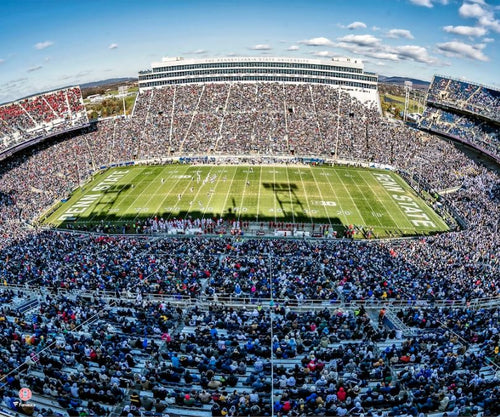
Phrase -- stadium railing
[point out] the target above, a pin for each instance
(463, 141)
(11, 150)
(460, 110)
(243, 301)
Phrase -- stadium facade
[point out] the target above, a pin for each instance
(347, 73)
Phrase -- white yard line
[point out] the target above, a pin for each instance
(192, 207)
(382, 202)
(228, 190)
(168, 194)
(274, 199)
(151, 196)
(102, 179)
(243, 193)
(140, 195)
(307, 198)
(221, 174)
(416, 200)
(349, 194)
(258, 196)
(336, 197)
(292, 205)
(368, 201)
(321, 195)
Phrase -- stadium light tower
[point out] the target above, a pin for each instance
(122, 90)
(408, 87)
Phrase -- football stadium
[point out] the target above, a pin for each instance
(255, 239)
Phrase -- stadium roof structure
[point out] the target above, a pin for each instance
(352, 62)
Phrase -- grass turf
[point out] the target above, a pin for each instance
(337, 196)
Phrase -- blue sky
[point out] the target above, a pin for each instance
(51, 43)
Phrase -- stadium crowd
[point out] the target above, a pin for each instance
(46, 114)
(94, 354)
(267, 118)
(464, 95)
(473, 132)
(93, 322)
(463, 110)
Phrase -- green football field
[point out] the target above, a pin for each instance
(334, 196)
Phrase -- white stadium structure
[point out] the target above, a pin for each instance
(346, 73)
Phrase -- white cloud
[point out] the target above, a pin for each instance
(389, 56)
(14, 83)
(318, 42)
(484, 13)
(377, 63)
(490, 23)
(43, 45)
(82, 73)
(113, 46)
(197, 52)
(399, 33)
(369, 46)
(428, 3)
(35, 68)
(261, 47)
(293, 48)
(356, 25)
(488, 40)
(80, 76)
(2, 61)
(415, 53)
(424, 3)
(465, 30)
(13, 88)
(463, 50)
(362, 40)
(322, 53)
(471, 10)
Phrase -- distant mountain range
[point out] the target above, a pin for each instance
(108, 81)
(400, 81)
